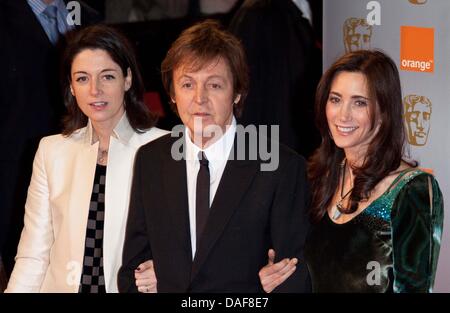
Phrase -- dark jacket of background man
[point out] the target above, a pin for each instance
(285, 67)
(31, 107)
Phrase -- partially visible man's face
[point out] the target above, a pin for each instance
(204, 97)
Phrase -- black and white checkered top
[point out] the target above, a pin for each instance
(92, 277)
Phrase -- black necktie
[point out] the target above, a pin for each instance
(202, 196)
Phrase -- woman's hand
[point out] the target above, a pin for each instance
(145, 277)
(274, 274)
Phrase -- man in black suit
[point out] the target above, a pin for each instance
(31, 105)
(202, 207)
(285, 67)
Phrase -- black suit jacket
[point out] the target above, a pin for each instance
(285, 67)
(31, 107)
(252, 211)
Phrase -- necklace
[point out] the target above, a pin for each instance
(339, 204)
(102, 156)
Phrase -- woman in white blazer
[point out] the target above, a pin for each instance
(77, 202)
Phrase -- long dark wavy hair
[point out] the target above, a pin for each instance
(385, 151)
(119, 49)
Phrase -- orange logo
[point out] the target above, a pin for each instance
(417, 49)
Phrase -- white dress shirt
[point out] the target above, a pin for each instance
(217, 155)
(303, 5)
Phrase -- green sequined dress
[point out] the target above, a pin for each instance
(391, 246)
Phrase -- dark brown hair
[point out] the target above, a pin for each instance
(386, 149)
(201, 44)
(119, 49)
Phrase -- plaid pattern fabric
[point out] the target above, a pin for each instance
(92, 277)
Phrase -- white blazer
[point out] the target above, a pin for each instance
(51, 249)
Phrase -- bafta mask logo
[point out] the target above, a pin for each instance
(417, 118)
(418, 1)
(357, 34)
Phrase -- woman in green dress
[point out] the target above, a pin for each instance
(377, 217)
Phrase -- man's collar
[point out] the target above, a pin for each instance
(219, 150)
(38, 6)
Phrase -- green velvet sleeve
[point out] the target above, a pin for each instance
(416, 234)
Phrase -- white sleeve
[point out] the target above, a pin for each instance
(33, 252)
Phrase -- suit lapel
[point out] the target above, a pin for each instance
(34, 29)
(236, 179)
(175, 187)
(119, 169)
(82, 178)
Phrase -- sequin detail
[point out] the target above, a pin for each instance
(382, 206)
